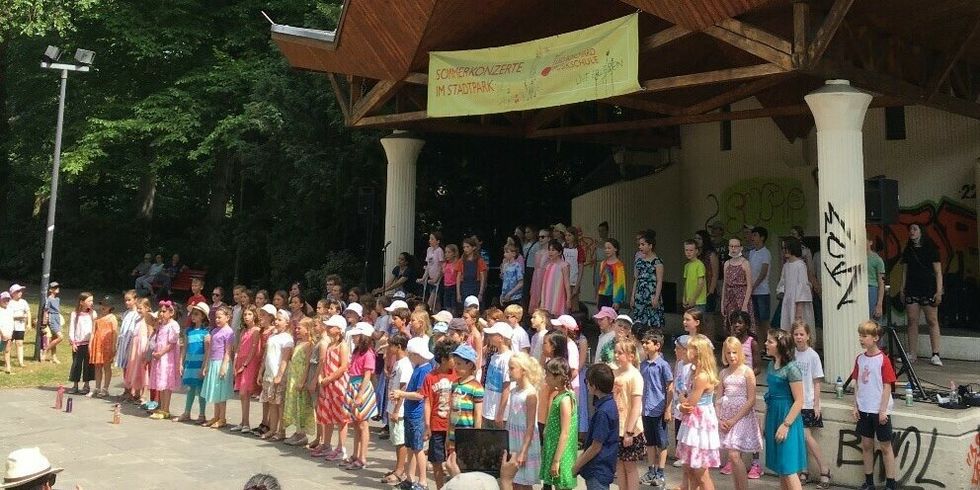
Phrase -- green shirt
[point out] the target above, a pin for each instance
(876, 268)
(694, 270)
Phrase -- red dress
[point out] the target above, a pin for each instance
(245, 382)
(330, 401)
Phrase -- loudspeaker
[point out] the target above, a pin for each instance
(881, 201)
(365, 201)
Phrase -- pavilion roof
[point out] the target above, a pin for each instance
(697, 58)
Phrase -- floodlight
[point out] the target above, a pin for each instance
(84, 57)
(51, 54)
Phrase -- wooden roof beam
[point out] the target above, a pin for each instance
(712, 77)
(390, 119)
(782, 111)
(341, 98)
(663, 37)
(545, 116)
(947, 66)
(827, 31)
(381, 93)
(754, 41)
(909, 92)
(653, 106)
(743, 91)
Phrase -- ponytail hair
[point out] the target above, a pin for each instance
(558, 367)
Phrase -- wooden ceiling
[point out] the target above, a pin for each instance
(697, 57)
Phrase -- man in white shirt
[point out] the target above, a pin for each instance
(759, 261)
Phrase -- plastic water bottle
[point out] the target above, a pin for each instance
(839, 388)
(116, 414)
(908, 394)
(954, 398)
(59, 397)
(68, 405)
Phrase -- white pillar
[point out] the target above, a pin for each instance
(402, 150)
(838, 110)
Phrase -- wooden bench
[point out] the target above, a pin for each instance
(183, 280)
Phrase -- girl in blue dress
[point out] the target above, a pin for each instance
(785, 443)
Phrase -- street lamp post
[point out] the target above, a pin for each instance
(82, 63)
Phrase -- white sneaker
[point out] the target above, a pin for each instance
(678, 463)
(936, 361)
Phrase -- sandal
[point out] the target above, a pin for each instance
(804, 477)
(183, 418)
(391, 478)
(825, 481)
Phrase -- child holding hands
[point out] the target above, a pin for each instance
(218, 380)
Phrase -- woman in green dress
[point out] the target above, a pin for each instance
(785, 443)
(559, 450)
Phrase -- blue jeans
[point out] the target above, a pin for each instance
(872, 300)
(592, 483)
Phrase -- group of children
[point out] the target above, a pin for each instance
(326, 370)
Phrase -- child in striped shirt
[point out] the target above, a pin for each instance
(466, 409)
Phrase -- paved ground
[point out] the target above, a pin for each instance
(146, 454)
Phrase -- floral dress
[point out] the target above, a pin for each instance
(736, 289)
(698, 442)
(744, 436)
(299, 405)
(646, 286)
(529, 474)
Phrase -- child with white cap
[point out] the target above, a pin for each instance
(359, 400)
(420, 357)
(21, 313)
(497, 384)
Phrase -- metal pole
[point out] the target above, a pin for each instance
(52, 207)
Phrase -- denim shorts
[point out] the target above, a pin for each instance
(414, 430)
(437, 447)
(593, 483)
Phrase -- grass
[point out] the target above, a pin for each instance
(35, 374)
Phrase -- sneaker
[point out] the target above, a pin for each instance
(648, 477)
(678, 463)
(727, 469)
(418, 486)
(935, 360)
(152, 405)
(237, 428)
(755, 471)
(660, 481)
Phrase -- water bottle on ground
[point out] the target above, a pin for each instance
(908, 394)
(839, 388)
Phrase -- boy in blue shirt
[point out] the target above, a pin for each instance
(419, 355)
(597, 464)
(657, 393)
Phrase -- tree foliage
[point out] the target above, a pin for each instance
(193, 135)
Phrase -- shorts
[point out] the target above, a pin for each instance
(810, 419)
(272, 393)
(414, 430)
(396, 431)
(18, 335)
(868, 426)
(593, 483)
(712, 303)
(635, 452)
(761, 304)
(55, 330)
(655, 432)
(437, 447)
(921, 300)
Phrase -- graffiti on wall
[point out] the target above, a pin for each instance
(776, 203)
(913, 455)
(951, 226)
(973, 461)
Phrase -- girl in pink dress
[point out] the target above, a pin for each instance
(247, 362)
(698, 443)
(735, 294)
(556, 288)
(165, 363)
(735, 399)
(135, 375)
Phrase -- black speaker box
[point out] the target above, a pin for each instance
(881, 201)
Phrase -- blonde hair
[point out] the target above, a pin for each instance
(515, 310)
(732, 343)
(869, 327)
(531, 367)
(309, 324)
(806, 328)
(422, 316)
(705, 358)
(627, 346)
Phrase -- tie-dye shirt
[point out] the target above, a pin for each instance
(612, 281)
(465, 397)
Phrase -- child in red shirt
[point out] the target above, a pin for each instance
(437, 390)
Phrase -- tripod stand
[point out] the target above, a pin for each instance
(898, 355)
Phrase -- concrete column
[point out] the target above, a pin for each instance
(838, 110)
(402, 150)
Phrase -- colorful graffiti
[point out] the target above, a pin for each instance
(776, 203)
(952, 227)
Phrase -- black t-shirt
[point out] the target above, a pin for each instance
(920, 278)
(410, 286)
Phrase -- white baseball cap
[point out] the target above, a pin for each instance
(567, 321)
(420, 347)
(471, 301)
(500, 328)
(285, 314)
(395, 305)
(356, 308)
(398, 295)
(362, 328)
(268, 308)
(336, 321)
(16, 287)
(443, 316)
